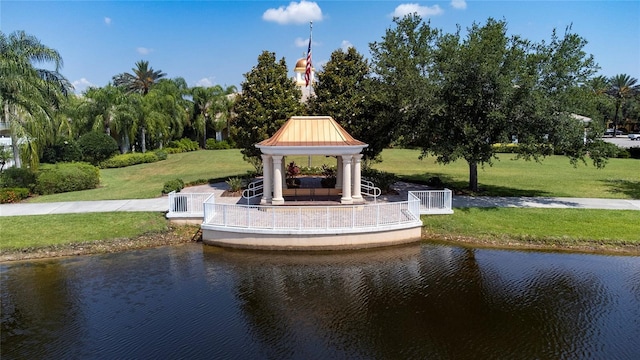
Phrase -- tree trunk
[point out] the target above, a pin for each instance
(615, 118)
(125, 145)
(143, 140)
(17, 162)
(473, 176)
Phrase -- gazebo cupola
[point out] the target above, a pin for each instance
(312, 135)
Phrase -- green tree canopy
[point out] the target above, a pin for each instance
(345, 92)
(622, 88)
(29, 94)
(141, 80)
(458, 95)
(269, 97)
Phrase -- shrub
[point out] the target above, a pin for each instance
(13, 195)
(64, 150)
(15, 177)
(184, 145)
(161, 154)
(604, 149)
(505, 148)
(173, 185)
(212, 144)
(97, 147)
(129, 159)
(235, 184)
(170, 150)
(634, 152)
(381, 179)
(65, 177)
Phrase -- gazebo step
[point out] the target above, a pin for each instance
(311, 192)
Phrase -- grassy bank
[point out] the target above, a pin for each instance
(28, 237)
(45, 236)
(146, 180)
(544, 228)
(553, 177)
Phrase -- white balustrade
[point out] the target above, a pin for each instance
(187, 204)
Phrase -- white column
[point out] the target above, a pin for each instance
(356, 178)
(277, 180)
(339, 172)
(267, 177)
(346, 180)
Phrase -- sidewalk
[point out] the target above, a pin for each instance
(162, 204)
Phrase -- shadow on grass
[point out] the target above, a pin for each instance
(461, 187)
(626, 187)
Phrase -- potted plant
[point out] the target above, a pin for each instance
(329, 180)
(292, 172)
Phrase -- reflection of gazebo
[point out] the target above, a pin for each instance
(312, 135)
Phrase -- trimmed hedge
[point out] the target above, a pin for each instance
(13, 195)
(14, 177)
(173, 185)
(213, 144)
(97, 147)
(182, 145)
(65, 177)
(64, 150)
(129, 159)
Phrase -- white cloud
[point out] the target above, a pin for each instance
(143, 50)
(107, 20)
(423, 11)
(459, 4)
(345, 45)
(205, 82)
(300, 42)
(294, 13)
(81, 85)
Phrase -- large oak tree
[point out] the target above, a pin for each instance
(459, 95)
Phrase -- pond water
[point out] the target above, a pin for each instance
(410, 302)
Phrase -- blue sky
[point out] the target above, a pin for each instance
(217, 42)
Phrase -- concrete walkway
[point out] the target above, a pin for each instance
(161, 204)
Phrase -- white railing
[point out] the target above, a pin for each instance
(188, 204)
(316, 219)
(368, 188)
(253, 190)
(434, 201)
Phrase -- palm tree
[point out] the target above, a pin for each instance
(622, 87)
(141, 80)
(204, 100)
(100, 107)
(29, 95)
(165, 111)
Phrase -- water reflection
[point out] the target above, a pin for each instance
(416, 301)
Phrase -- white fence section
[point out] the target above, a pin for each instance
(187, 204)
(314, 219)
(434, 201)
(311, 218)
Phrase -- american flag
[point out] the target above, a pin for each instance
(307, 71)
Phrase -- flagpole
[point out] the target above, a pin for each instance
(308, 69)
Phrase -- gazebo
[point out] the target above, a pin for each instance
(312, 135)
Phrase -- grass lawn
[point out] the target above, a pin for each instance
(554, 176)
(21, 232)
(541, 226)
(146, 180)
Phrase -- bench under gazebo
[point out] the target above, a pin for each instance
(312, 136)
